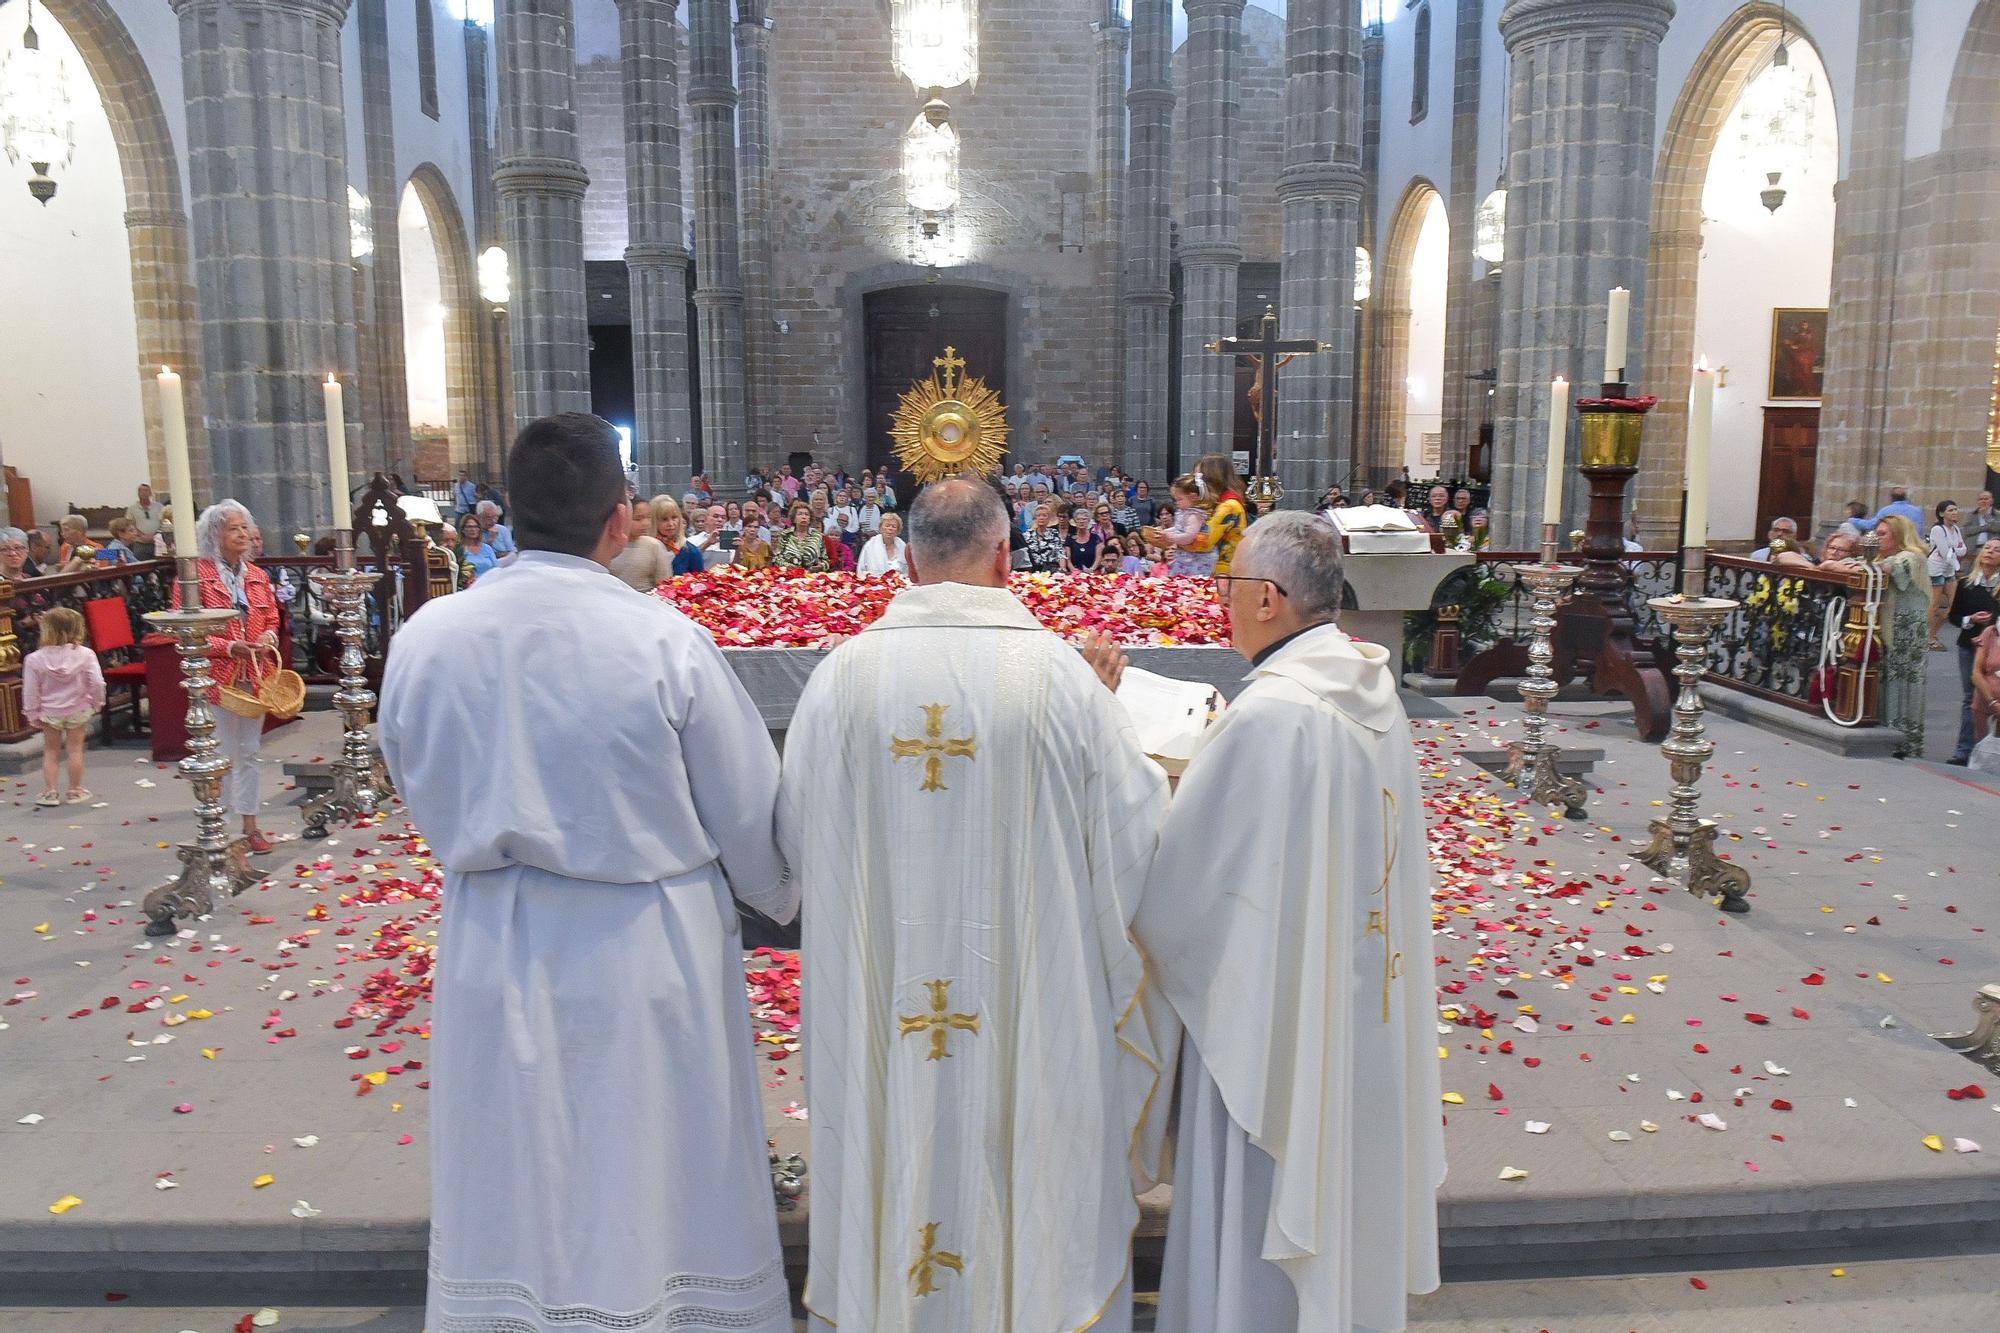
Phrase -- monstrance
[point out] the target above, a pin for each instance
(949, 424)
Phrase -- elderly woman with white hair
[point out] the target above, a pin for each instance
(242, 652)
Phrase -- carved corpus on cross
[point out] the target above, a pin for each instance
(1267, 345)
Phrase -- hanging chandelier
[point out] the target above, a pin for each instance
(495, 287)
(1489, 227)
(37, 121)
(936, 42)
(1774, 121)
(930, 165)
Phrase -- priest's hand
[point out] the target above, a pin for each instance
(1105, 659)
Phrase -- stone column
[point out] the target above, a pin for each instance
(1319, 189)
(1861, 322)
(1367, 359)
(540, 182)
(492, 429)
(1147, 258)
(753, 156)
(718, 297)
(384, 386)
(1584, 83)
(1107, 218)
(656, 259)
(1209, 222)
(1463, 397)
(267, 167)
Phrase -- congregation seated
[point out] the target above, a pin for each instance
(1782, 539)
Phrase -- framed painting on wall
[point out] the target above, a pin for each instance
(1798, 353)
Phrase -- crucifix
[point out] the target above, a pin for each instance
(1266, 348)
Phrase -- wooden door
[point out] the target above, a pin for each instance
(1791, 449)
(907, 327)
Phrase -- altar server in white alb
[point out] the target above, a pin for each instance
(972, 820)
(596, 784)
(1288, 920)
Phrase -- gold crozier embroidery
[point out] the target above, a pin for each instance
(939, 1022)
(930, 1259)
(1378, 918)
(933, 748)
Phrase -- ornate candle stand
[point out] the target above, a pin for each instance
(360, 783)
(214, 864)
(1535, 756)
(1683, 846)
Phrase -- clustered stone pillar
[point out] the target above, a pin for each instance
(753, 154)
(1210, 216)
(1367, 361)
(1107, 210)
(384, 383)
(1463, 397)
(494, 416)
(1147, 258)
(1867, 219)
(718, 297)
(656, 260)
(540, 181)
(1583, 82)
(267, 167)
(1319, 189)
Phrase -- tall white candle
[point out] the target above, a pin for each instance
(1558, 459)
(336, 453)
(1701, 429)
(1617, 326)
(180, 471)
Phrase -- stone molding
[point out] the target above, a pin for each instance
(705, 93)
(669, 5)
(716, 298)
(155, 217)
(1321, 180)
(1527, 21)
(675, 256)
(1140, 96)
(540, 175)
(1208, 8)
(1217, 253)
(333, 13)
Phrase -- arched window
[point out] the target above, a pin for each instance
(1420, 66)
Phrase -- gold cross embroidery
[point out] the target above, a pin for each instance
(930, 1258)
(938, 1021)
(1378, 918)
(933, 748)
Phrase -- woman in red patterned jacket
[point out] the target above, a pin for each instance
(242, 653)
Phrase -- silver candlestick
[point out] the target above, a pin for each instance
(360, 782)
(214, 865)
(1683, 846)
(1535, 755)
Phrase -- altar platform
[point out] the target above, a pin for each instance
(1866, 881)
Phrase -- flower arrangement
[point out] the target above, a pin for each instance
(789, 608)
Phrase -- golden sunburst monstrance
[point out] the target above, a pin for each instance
(949, 423)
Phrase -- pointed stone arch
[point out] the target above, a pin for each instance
(156, 222)
(1382, 453)
(1740, 50)
(474, 433)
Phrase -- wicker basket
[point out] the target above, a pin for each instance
(281, 694)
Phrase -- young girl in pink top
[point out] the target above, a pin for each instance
(62, 688)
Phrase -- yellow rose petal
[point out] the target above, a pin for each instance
(1454, 1099)
(378, 1078)
(208, 1052)
(64, 1204)
(1934, 1143)
(1838, 1272)
(261, 1181)
(43, 929)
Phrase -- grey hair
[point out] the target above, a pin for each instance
(954, 520)
(485, 507)
(8, 535)
(1300, 551)
(208, 528)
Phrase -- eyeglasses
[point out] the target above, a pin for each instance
(1221, 582)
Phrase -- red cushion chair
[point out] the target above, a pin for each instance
(110, 626)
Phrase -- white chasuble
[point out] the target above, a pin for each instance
(596, 784)
(1288, 921)
(971, 821)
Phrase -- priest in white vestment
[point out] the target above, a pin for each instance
(596, 784)
(971, 820)
(1288, 921)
